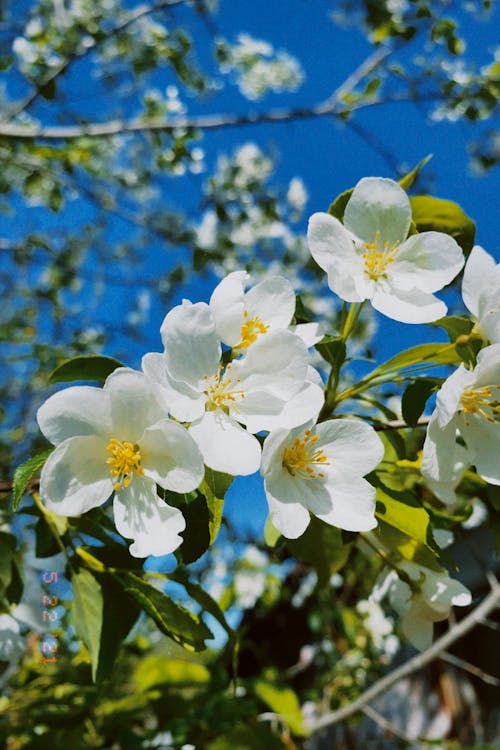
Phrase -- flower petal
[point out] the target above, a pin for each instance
(225, 445)
(309, 333)
(171, 457)
(141, 515)
(304, 406)
(417, 628)
(192, 346)
(227, 306)
(450, 393)
(439, 451)
(75, 477)
(273, 301)
(409, 306)
(352, 505)
(426, 261)
(350, 445)
(479, 269)
(180, 400)
(136, 403)
(79, 410)
(487, 370)
(483, 441)
(333, 250)
(290, 518)
(380, 205)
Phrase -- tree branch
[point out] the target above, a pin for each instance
(140, 12)
(471, 668)
(454, 634)
(328, 107)
(398, 424)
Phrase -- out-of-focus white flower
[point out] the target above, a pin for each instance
(297, 195)
(436, 594)
(378, 625)
(218, 399)
(481, 293)
(468, 401)
(370, 256)
(114, 440)
(12, 644)
(319, 469)
(478, 516)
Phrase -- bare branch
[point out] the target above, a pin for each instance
(454, 634)
(332, 106)
(398, 424)
(471, 668)
(140, 12)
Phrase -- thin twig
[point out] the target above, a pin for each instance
(398, 424)
(471, 668)
(454, 634)
(387, 725)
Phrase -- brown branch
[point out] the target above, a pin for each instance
(470, 668)
(454, 634)
(329, 107)
(398, 424)
(140, 12)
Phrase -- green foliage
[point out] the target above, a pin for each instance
(415, 397)
(85, 367)
(321, 546)
(87, 613)
(440, 215)
(284, 702)
(25, 473)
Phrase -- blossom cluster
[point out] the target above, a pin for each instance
(234, 391)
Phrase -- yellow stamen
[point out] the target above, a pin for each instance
(481, 402)
(377, 256)
(251, 329)
(125, 459)
(221, 391)
(301, 458)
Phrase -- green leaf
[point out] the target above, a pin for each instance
(415, 397)
(322, 547)
(56, 198)
(7, 550)
(204, 599)
(197, 533)
(402, 511)
(337, 208)
(271, 533)
(87, 613)
(441, 354)
(333, 350)
(407, 181)
(255, 737)
(214, 487)
(84, 367)
(25, 473)
(284, 702)
(182, 626)
(455, 326)
(436, 214)
(163, 670)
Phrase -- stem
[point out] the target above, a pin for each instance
(390, 564)
(52, 526)
(351, 319)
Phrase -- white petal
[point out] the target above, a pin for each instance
(192, 346)
(274, 446)
(75, 477)
(483, 441)
(351, 445)
(180, 400)
(141, 515)
(333, 250)
(352, 505)
(171, 457)
(417, 629)
(79, 410)
(135, 403)
(273, 301)
(489, 319)
(439, 456)
(450, 393)
(410, 306)
(225, 445)
(479, 269)
(309, 333)
(378, 205)
(426, 261)
(487, 370)
(290, 518)
(227, 306)
(304, 406)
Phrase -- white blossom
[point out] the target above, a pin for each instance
(117, 439)
(468, 401)
(370, 256)
(481, 293)
(319, 469)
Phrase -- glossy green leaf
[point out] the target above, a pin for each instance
(178, 623)
(438, 215)
(322, 547)
(87, 613)
(214, 488)
(197, 532)
(85, 367)
(333, 350)
(25, 473)
(455, 326)
(415, 397)
(441, 354)
(337, 208)
(284, 702)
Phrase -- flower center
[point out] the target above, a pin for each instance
(125, 459)
(301, 458)
(377, 256)
(221, 391)
(482, 402)
(251, 329)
